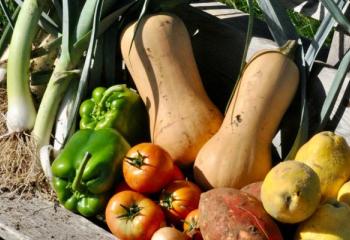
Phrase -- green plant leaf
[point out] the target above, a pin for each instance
(103, 25)
(66, 29)
(6, 12)
(87, 65)
(58, 8)
(328, 105)
(110, 46)
(86, 18)
(303, 130)
(332, 95)
(282, 30)
(113, 17)
(49, 25)
(278, 21)
(45, 22)
(144, 11)
(6, 35)
(96, 70)
(337, 14)
(245, 51)
(320, 37)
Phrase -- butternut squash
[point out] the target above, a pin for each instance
(240, 152)
(161, 63)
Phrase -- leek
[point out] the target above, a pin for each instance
(69, 59)
(21, 112)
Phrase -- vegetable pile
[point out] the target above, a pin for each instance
(150, 153)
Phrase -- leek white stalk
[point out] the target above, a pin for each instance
(2, 76)
(59, 80)
(62, 131)
(21, 111)
(45, 161)
(50, 102)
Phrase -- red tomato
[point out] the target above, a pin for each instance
(179, 198)
(147, 168)
(132, 216)
(191, 225)
(122, 186)
(177, 174)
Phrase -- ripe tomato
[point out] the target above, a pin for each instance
(177, 174)
(122, 186)
(191, 225)
(179, 198)
(132, 216)
(147, 168)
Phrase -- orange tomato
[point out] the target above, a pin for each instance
(147, 168)
(179, 198)
(132, 216)
(191, 225)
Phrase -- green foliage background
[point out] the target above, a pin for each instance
(3, 21)
(305, 26)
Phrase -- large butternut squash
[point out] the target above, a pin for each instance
(162, 65)
(240, 152)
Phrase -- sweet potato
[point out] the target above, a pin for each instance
(253, 189)
(227, 214)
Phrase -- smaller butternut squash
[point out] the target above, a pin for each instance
(161, 63)
(240, 152)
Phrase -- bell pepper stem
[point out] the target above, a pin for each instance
(109, 91)
(77, 180)
(105, 96)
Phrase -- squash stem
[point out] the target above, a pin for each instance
(288, 49)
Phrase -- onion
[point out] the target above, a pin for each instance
(168, 233)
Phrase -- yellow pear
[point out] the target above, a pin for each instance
(291, 192)
(328, 155)
(344, 193)
(329, 222)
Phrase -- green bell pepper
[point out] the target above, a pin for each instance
(86, 169)
(117, 107)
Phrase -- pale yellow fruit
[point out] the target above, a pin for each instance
(331, 221)
(291, 192)
(328, 155)
(168, 233)
(344, 193)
